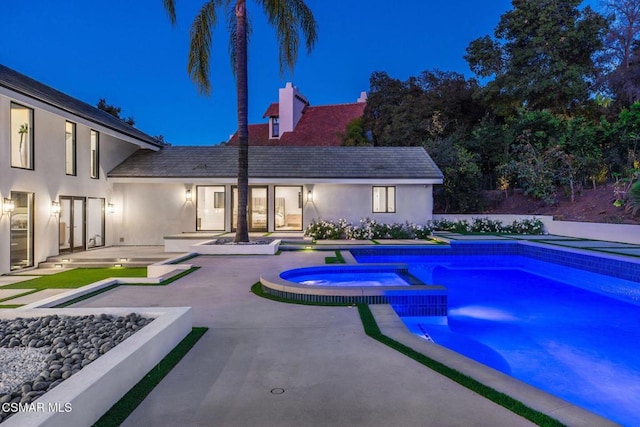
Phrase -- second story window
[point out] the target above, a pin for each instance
(95, 155)
(70, 148)
(275, 127)
(21, 137)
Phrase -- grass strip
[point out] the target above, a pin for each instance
(371, 329)
(130, 401)
(77, 278)
(2, 307)
(338, 259)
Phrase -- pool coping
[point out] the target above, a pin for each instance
(567, 413)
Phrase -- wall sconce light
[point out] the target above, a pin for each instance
(8, 205)
(55, 208)
(111, 208)
(309, 196)
(187, 195)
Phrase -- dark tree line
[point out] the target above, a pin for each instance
(557, 110)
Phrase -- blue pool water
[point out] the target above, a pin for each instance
(349, 279)
(572, 333)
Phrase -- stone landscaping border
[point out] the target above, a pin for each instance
(84, 397)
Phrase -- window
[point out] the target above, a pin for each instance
(210, 204)
(95, 154)
(384, 199)
(275, 127)
(21, 137)
(288, 208)
(70, 148)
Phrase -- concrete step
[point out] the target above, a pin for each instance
(93, 264)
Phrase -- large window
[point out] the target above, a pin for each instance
(70, 148)
(95, 154)
(384, 199)
(210, 204)
(288, 208)
(21, 137)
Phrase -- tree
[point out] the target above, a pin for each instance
(435, 104)
(461, 188)
(114, 111)
(355, 134)
(287, 17)
(622, 54)
(541, 56)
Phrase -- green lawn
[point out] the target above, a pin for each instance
(77, 278)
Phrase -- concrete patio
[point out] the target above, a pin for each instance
(269, 363)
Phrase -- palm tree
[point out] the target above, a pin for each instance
(288, 17)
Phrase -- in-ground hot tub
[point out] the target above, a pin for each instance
(353, 284)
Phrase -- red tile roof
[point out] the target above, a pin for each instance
(319, 126)
(273, 110)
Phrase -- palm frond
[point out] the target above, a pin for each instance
(288, 17)
(170, 7)
(200, 46)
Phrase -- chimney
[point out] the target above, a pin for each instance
(291, 105)
(363, 97)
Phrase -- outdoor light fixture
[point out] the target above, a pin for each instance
(8, 205)
(111, 208)
(309, 196)
(187, 195)
(55, 207)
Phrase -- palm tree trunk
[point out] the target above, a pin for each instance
(242, 90)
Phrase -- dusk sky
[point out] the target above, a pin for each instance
(127, 52)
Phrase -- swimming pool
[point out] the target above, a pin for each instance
(528, 311)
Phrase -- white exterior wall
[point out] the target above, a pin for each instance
(48, 180)
(414, 203)
(145, 213)
(148, 211)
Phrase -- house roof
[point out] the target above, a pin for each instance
(319, 126)
(281, 162)
(27, 86)
(272, 111)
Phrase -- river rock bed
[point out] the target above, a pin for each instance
(47, 350)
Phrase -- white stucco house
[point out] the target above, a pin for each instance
(74, 178)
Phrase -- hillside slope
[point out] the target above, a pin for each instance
(591, 205)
